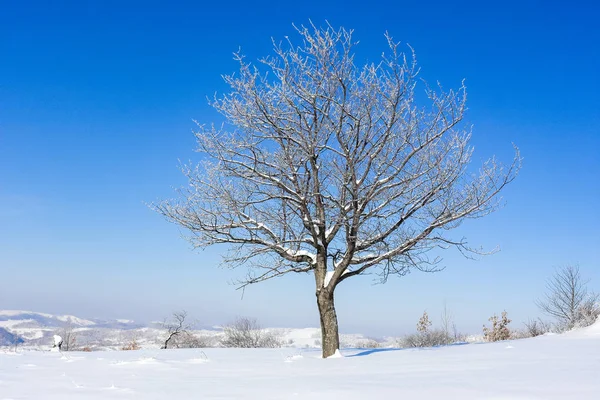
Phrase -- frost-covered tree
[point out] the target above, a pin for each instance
(247, 333)
(68, 337)
(331, 168)
(568, 299)
(499, 329)
(424, 323)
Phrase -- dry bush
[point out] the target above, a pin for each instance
(189, 340)
(457, 337)
(499, 329)
(426, 337)
(132, 345)
(537, 327)
(368, 344)
(588, 312)
(430, 338)
(247, 333)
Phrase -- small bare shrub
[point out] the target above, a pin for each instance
(588, 312)
(189, 340)
(426, 337)
(499, 329)
(535, 328)
(368, 344)
(132, 345)
(247, 333)
(457, 337)
(430, 338)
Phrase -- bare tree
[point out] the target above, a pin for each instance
(446, 320)
(329, 168)
(176, 326)
(247, 333)
(568, 300)
(69, 336)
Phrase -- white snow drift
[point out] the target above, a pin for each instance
(549, 367)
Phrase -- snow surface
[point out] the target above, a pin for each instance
(548, 367)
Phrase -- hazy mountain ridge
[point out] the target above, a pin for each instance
(32, 328)
(35, 330)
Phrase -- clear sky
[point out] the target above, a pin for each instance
(96, 108)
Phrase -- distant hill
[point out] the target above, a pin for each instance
(34, 329)
(37, 329)
(9, 339)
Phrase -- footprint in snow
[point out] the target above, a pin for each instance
(197, 360)
(118, 389)
(293, 358)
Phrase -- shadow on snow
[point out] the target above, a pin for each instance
(372, 351)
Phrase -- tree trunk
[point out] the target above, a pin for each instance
(330, 338)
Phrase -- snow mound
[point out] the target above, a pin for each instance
(337, 354)
(548, 367)
(592, 330)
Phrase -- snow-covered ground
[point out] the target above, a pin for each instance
(550, 367)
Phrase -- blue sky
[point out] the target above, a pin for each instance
(96, 108)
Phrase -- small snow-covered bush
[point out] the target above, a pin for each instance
(426, 337)
(424, 323)
(69, 337)
(191, 340)
(588, 312)
(533, 328)
(368, 344)
(247, 333)
(429, 338)
(499, 329)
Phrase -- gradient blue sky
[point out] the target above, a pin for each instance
(96, 103)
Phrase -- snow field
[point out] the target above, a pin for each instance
(549, 367)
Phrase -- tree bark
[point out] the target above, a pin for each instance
(330, 338)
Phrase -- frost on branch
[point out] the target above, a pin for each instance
(499, 329)
(324, 165)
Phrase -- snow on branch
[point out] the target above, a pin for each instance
(323, 165)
